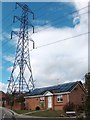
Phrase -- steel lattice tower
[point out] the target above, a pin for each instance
(21, 79)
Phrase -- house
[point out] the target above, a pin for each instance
(2, 99)
(5, 101)
(14, 101)
(56, 97)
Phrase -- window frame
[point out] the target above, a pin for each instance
(42, 99)
(59, 97)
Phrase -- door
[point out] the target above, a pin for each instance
(49, 101)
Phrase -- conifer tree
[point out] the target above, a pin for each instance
(87, 85)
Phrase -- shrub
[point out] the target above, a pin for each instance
(69, 107)
(20, 99)
(80, 108)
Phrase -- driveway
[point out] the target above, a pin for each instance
(6, 114)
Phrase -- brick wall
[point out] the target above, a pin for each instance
(77, 96)
(17, 106)
(2, 98)
(60, 105)
(32, 103)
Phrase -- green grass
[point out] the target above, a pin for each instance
(22, 111)
(47, 113)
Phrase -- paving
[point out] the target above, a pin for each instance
(6, 114)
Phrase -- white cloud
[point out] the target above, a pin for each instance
(9, 58)
(3, 87)
(81, 1)
(10, 69)
(5, 36)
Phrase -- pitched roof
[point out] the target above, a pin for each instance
(67, 87)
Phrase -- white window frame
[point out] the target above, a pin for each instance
(59, 98)
(42, 99)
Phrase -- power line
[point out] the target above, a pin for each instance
(6, 41)
(5, 18)
(7, 27)
(56, 19)
(56, 41)
(35, 32)
(48, 27)
(8, 15)
(61, 6)
(8, 49)
(40, 15)
(66, 15)
(63, 40)
(56, 24)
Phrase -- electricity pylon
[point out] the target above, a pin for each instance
(21, 79)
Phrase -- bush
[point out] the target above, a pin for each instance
(87, 104)
(20, 99)
(72, 107)
(3, 104)
(80, 108)
(69, 107)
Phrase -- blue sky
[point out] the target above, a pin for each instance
(46, 13)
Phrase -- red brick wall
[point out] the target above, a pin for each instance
(2, 95)
(17, 106)
(0, 103)
(76, 96)
(60, 105)
(32, 103)
(2, 98)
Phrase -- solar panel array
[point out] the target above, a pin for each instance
(54, 89)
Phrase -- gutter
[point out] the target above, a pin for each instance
(63, 93)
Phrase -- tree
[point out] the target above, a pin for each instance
(10, 99)
(3, 104)
(87, 85)
(20, 98)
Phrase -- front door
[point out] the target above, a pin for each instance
(49, 101)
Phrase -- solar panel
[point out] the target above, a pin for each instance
(59, 88)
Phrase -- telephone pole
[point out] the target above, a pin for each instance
(21, 79)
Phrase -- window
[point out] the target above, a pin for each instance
(41, 98)
(59, 98)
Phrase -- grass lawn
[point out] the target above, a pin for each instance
(22, 111)
(47, 113)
